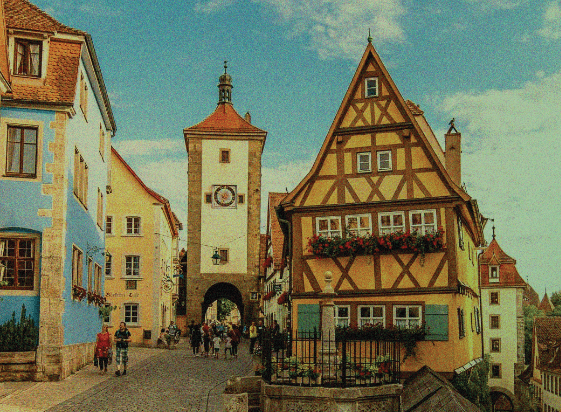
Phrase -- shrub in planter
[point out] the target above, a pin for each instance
(19, 336)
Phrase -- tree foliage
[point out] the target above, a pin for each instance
(223, 308)
(19, 336)
(473, 384)
(556, 298)
(530, 312)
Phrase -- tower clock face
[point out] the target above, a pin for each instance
(224, 196)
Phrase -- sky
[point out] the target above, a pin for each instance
(493, 65)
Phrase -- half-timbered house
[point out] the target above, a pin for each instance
(383, 209)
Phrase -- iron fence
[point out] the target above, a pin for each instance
(313, 359)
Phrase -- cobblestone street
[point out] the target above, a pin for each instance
(172, 380)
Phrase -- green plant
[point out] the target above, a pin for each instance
(473, 384)
(105, 311)
(19, 336)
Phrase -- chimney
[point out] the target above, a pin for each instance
(247, 117)
(453, 155)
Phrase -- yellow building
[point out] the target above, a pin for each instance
(142, 238)
(383, 209)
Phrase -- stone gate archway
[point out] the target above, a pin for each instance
(501, 400)
(222, 290)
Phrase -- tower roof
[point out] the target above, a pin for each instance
(224, 118)
(495, 256)
(546, 305)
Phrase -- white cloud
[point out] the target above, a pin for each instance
(160, 147)
(511, 151)
(99, 10)
(551, 27)
(334, 27)
(497, 4)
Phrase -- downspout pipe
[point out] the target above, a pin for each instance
(288, 226)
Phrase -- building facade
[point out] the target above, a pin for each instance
(383, 210)
(502, 300)
(224, 199)
(56, 126)
(142, 271)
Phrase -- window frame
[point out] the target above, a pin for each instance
(492, 373)
(90, 285)
(376, 80)
(360, 231)
(224, 255)
(494, 279)
(102, 142)
(461, 323)
(393, 228)
(423, 226)
(22, 146)
(379, 161)
(221, 158)
(492, 348)
(491, 323)
(408, 318)
(33, 260)
(80, 179)
(134, 231)
(339, 318)
(461, 243)
(129, 270)
(109, 225)
(128, 317)
(327, 233)
(97, 278)
(77, 266)
(109, 266)
(26, 42)
(84, 95)
(241, 199)
(100, 209)
(496, 293)
(359, 163)
(371, 317)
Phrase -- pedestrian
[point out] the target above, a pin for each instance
(235, 335)
(216, 344)
(206, 343)
(122, 339)
(103, 348)
(260, 331)
(196, 339)
(252, 337)
(170, 337)
(228, 346)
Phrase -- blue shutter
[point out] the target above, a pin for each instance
(436, 321)
(308, 317)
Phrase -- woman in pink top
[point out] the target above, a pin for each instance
(102, 346)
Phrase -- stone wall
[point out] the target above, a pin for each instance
(17, 366)
(56, 363)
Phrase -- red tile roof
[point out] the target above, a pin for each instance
(59, 85)
(275, 232)
(225, 118)
(530, 297)
(548, 336)
(21, 14)
(508, 275)
(546, 304)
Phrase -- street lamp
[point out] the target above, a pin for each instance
(216, 257)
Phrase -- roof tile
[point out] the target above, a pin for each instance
(21, 14)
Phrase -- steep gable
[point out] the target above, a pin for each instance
(375, 150)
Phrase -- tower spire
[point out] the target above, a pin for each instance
(225, 86)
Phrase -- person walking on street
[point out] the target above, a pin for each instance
(260, 333)
(172, 330)
(102, 348)
(122, 339)
(252, 337)
(235, 335)
(196, 339)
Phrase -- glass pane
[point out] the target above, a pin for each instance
(26, 248)
(365, 221)
(12, 158)
(29, 156)
(385, 220)
(322, 224)
(413, 323)
(400, 323)
(398, 220)
(377, 312)
(14, 135)
(416, 219)
(9, 272)
(365, 312)
(429, 218)
(343, 312)
(30, 136)
(352, 222)
(7, 247)
(414, 312)
(401, 312)
(335, 224)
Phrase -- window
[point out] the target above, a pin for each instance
(208, 198)
(99, 208)
(132, 266)
(460, 234)
(109, 266)
(407, 316)
(90, 275)
(371, 315)
(371, 87)
(496, 370)
(133, 225)
(131, 312)
(17, 263)
(241, 199)
(495, 345)
(77, 266)
(109, 225)
(363, 162)
(391, 222)
(101, 141)
(97, 279)
(83, 95)
(423, 221)
(223, 256)
(358, 225)
(493, 274)
(461, 323)
(495, 321)
(224, 155)
(329, 226)
(342, 316)
(27, 57)
(477, 320)
(384, 160)
(494, 298)
(21, 151)
(80, 178)
(130, 284)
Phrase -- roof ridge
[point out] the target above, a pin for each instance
(44, 14)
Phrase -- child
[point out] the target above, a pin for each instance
(228, 346)
(216, 341)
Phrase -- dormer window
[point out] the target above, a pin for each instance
(493, 273)
(27, 57)
(371, 87)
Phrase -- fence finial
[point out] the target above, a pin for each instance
(328, 279)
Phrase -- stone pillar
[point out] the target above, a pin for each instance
(328, 349)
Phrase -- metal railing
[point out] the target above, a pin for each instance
(311, 359)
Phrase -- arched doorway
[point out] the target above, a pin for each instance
(222, 290)
(501, 402)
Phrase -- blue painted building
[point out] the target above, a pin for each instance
(56, 126)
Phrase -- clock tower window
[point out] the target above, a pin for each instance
(224, 156)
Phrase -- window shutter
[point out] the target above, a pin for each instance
(308, 317)
(436, 319)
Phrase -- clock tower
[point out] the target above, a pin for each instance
(224, 198)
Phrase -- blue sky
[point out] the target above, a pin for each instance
(494, 65)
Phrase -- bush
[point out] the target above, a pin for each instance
(19, 336)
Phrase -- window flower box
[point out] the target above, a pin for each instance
(283, 298)
(269, 295)
(78, 292)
